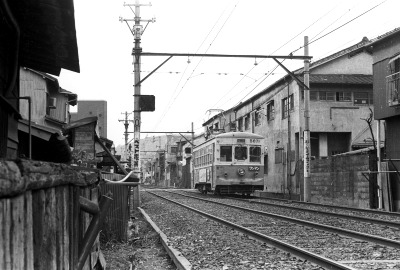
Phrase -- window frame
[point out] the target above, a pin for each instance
(271, 110)
(287, 106)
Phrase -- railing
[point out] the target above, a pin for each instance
(392, 89)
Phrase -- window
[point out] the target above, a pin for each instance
(287, 105)
(240, 152)
(216, 126)
(174, 149)
(232, 126)
(188, 150)
(327, 96)
(247, 122)
(363, 98)
(313, 95)
(240, 124)
(270, 111)
(343, 96)
(225, 153)
(257, 117)
(255, 154)
(393, 81)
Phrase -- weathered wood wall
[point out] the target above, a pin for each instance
(41, 224)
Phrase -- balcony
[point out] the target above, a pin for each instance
(392, 89)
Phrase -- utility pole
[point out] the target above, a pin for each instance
(137, 32)
(192, 158)
(126, 124)
(289, 146)
(306, 138)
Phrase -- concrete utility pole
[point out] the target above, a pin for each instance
(306, 138)
(137, 33)
(126, 124)
(137, 29)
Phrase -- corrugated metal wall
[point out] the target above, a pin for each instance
(115, 225)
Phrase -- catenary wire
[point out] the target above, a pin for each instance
(316, 39)
(172, 100)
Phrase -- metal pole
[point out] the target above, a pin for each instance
(192, 159)
(306, 138)
(378, 154)
(289, 146)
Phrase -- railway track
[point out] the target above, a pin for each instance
(335, 246)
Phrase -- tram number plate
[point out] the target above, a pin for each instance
(254, 168)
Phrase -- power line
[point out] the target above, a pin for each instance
(337, 28)
(272, 72)
(319, 39)
(173, 100)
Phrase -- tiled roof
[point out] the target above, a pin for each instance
(339, 78)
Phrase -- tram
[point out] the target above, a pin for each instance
(230, 163)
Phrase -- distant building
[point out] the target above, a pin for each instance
(90, 108)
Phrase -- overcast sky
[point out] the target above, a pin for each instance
(185, 88)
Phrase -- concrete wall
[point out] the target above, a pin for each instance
(339, 181)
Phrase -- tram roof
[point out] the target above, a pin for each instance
(239, 134)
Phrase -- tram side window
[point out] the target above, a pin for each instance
(226, 153)
(255, 154)
(240, 152)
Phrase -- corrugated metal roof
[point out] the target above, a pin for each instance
(340, 78)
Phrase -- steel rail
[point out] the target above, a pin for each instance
(372, 211)
(341, 231)
(322, 212)
(296, 251)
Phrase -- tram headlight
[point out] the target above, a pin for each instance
(241, 171)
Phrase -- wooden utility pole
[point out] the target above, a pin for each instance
(126, 133)
(306, 138)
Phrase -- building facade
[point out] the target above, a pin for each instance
(386, 74)
(341, 103)
(90, 108)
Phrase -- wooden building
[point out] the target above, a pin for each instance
(43, 40)
(386, 77)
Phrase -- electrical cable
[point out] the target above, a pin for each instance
(337, 28)
(305, 29)
(321, 38)
(173, 100)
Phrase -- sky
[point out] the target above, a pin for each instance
(186, 88)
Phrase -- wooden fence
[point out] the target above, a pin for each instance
(42, 225)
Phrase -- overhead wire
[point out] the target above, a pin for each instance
(344, 24)
(172, 100)
(316, 39)
(268, 74)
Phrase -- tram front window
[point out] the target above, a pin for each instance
(255, 154)
(240, 152)
(226, 153)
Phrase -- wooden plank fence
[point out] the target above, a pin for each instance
(41, 222)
